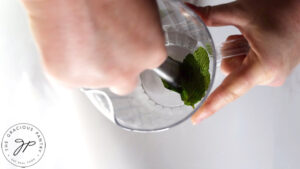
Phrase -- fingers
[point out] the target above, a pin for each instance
(230, 64)
(124, 87)
(235, 85)
(234, 45)
(221, 15)
(243, 75)
(81, 48)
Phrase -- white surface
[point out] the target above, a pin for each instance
(260, 130)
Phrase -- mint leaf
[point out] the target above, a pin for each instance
(171, 87)
(195, 77)
(202, 58)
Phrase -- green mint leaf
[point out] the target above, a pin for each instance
(202, 58)
(171, 87)
(195, 77)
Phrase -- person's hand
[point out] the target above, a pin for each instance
(97, 43)
(272, 29)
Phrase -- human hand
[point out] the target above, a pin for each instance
(271, 28)
(97, 43)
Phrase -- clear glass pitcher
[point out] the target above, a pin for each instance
(151, 107)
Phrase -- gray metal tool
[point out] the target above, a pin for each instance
(169, 71)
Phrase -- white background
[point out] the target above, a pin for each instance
(258, 131)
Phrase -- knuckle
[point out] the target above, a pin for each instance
(124, 86)
(55, 70)
(124, 79)
(231, 96)
(228, 95)
(274, 73)
(75, 76)
(275, 77)
(156, 58)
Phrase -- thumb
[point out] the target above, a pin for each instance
(235, 85)
(221, 15)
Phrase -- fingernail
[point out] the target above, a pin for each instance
(200, 118)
